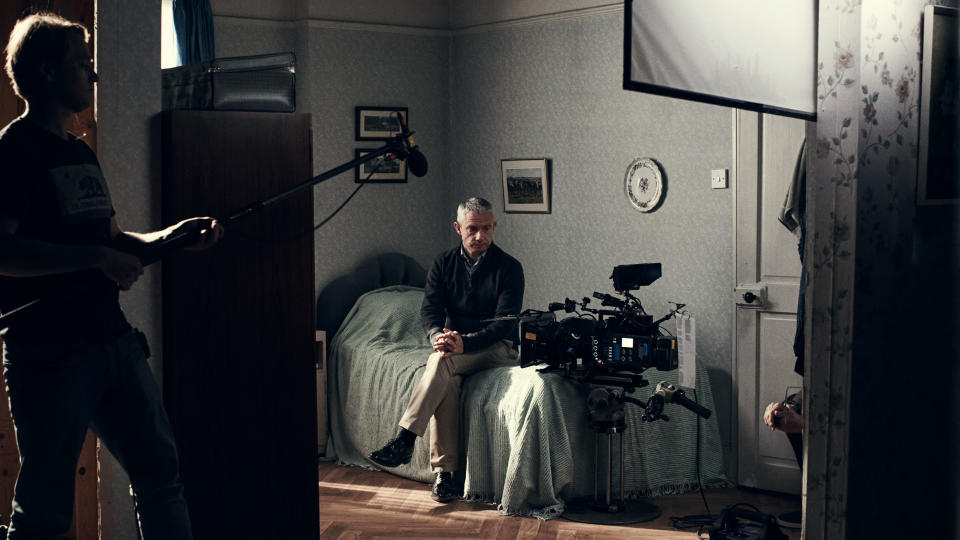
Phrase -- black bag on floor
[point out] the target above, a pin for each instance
(265, 82)
(738, 523)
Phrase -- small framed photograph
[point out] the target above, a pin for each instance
(378, 123)
(526, 185)
(380, 170)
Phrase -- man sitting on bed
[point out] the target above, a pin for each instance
(474, 281)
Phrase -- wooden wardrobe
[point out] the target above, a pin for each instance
(238, 325)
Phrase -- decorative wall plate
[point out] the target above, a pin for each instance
(643, 184)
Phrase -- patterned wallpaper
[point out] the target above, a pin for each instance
(554, 90)
(339, 69)
(550, 89)
(128, 56)
(869, 231)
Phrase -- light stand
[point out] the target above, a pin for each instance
(606, 420)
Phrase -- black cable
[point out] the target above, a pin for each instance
(698, 521)
(328, 218)
(693, 521)
(299, 235)
(699, 483)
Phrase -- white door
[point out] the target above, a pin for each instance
(767, 267)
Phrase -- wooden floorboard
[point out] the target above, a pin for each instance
(357, 503)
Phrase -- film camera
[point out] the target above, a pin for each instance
(618, 340)
(610, 345)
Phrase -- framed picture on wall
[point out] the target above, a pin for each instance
(378, 123)
(526, 185)
(380, 170)
(938, 167)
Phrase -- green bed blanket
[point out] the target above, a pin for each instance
(526, 437)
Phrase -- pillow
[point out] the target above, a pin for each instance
(381, 270)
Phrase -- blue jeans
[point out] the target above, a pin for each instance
(56, 393)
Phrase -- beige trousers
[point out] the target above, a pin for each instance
(436, 400)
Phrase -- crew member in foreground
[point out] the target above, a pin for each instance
(73, 361)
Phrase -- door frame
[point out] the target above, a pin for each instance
(824, 484)
(739, 166)
(766, 264)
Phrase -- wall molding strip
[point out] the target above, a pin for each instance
(542, 19)
(430, 32)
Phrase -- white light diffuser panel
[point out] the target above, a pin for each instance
(752, 54)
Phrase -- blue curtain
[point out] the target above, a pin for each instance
(193, 22)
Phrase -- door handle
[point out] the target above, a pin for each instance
(753, 296)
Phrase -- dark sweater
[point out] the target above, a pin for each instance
(452, 294)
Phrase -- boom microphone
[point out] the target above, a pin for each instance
(673, 394)
(416, 161)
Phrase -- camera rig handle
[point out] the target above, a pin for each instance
(653, 409)
(674, 394)
(605, 406)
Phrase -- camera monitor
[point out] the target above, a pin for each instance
(628, 277)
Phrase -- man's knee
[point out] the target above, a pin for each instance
(439, 364)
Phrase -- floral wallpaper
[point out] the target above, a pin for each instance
(830, 249)
(862, 217)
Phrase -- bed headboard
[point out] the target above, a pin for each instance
(381, 270)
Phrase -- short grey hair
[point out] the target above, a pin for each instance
(473, 205)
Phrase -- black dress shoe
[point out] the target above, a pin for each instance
(394, 453)
(444, 489)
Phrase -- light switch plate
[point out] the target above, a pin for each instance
(718, 179)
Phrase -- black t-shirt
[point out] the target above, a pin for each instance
(56, 191)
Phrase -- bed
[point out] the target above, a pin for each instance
(526, 438)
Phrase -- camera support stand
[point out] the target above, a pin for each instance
(607, 420)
